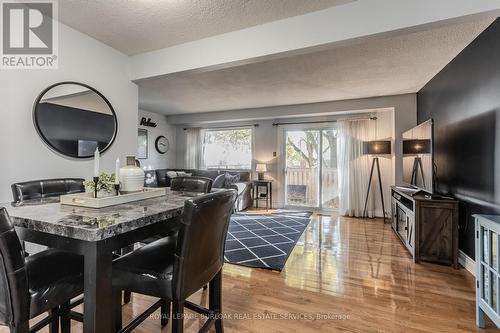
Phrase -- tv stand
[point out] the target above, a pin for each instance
(420, 192)
(427, 225)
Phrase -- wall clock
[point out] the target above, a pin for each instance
(161, 144)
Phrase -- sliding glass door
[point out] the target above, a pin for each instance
(311, 168)
(301, 169)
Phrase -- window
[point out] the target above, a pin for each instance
(228, 149)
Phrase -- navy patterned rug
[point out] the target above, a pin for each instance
(264, 240)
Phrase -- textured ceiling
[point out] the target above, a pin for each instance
(377, 67)
(137, 26)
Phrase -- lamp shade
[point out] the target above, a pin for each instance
(415, 147)
(378, 147)
(261, 167)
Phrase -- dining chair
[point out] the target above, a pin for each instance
(174, 269)
(35, 189)
(191, 184)
(185, 184)
(43, 188)
(30, 286)
(179, 184)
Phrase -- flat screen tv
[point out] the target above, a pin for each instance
(418, 158)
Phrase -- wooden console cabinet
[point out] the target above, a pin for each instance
(427, 226)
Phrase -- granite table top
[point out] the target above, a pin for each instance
(91, 224)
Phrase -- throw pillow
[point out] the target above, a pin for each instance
(183, 174)
(172, 174)
(219, 181)
(150, 178)
(231, 179)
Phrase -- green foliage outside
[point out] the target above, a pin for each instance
(302, 149)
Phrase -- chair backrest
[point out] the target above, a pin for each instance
(36, 189)
(14, 292)
(191, 184)
(201, 240)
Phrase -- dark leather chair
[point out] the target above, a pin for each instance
(36, 189)
(180, 184)
(173, 269)
(191, 184)
(44, 282)
(184, 184)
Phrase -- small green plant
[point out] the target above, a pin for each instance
(106, 183)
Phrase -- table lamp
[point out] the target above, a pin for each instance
(261, 168)
(375, 148)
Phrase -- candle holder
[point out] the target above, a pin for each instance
(117, 189)
(96, 181)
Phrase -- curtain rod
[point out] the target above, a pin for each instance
(222, 127)
(322, 122)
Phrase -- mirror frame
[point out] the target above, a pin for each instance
(44, 138)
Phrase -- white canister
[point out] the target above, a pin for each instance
(131, 177)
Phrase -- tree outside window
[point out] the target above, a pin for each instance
(228, 149)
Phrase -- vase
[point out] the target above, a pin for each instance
(131, 177)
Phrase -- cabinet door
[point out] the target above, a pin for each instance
(394, 214)
(436, 233)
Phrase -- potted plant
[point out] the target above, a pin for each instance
(105, 185)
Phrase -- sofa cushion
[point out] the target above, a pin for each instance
(244, 195)
(212, 174)
(219, 181)
(161, 178)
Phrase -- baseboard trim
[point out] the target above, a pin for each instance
(467, 262)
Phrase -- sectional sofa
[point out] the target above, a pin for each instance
(243, 185)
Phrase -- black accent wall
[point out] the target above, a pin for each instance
(464, 101)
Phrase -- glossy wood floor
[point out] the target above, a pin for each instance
(345, 275)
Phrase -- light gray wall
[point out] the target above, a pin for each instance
(391, 124)
(83, 59)
(155, 159)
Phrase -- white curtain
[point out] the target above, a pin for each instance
(194, 148)
(354, 167)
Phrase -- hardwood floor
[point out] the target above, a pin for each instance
(345, 275)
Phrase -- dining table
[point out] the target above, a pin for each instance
(96, 234)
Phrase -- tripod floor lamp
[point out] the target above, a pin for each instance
(376, 148)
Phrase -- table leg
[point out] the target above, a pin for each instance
(267, 197)
(271, 195)
(98, 293)
(257, 197)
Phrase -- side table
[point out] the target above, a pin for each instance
(266, 196)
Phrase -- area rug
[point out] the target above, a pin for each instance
(264, 240)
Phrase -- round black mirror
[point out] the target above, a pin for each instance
(74, 119)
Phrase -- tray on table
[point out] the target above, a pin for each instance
(88, 200)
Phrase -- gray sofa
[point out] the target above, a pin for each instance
(243, 186)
